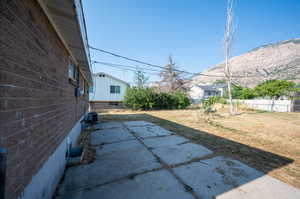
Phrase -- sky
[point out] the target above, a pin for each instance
(191, 31)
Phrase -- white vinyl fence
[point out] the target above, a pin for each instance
(268, 105)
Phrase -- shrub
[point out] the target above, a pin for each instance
(139, 98)
(276, 88)
(181, 100)
(147, 99)
(239, 92)
(209, 102)
(222, 100)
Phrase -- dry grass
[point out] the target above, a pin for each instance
(269, 142)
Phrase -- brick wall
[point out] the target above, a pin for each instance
(37, 103)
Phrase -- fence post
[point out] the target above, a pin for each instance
(3, 156)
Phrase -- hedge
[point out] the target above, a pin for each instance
(148, 99)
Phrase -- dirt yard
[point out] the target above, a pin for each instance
(269, 142)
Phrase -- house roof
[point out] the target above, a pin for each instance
(212, 87)
(115, 78)
(224, 85)
(67, 18)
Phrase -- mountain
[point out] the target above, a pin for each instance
(273, 61)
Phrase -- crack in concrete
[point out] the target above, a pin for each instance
(107, 143)
(165, 166)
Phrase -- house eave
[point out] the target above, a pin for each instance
(67, 19)
(117, 79)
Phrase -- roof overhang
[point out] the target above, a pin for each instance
(110, 76)
(67, 18)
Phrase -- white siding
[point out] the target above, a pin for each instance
(196, 93)
(101, 89)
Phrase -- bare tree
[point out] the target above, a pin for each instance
(171, 78)
(228, 37)
(140, 78)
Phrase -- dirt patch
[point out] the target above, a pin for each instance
(85, 141)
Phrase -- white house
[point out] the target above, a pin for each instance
(107, 91)
(200, 92)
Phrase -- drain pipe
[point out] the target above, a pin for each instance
(3, 157)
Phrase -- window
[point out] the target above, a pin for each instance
(73, 71)
(114, 89)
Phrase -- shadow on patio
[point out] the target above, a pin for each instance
(261, 160)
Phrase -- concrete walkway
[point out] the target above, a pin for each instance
(139, 160)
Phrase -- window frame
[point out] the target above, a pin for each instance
(115, 89)
(73, 73)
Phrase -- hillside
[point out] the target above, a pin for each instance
(274, 61)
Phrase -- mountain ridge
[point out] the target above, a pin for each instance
(280, 60)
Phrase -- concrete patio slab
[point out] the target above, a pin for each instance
(149, 131)
(153, 185)
(110, 135)
(113, 162)
(174, 154)
(138, 123)
(108, 125)
(164, 141)
(129, 145)
(225, 178)
(126, 169)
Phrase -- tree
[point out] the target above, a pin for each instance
(140, 79)
(276, 88)
(240, 92)
(228, 37)
(172, 80)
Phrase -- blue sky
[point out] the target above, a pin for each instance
(191, 30)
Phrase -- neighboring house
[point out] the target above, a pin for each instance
(200, 92)
(108, 92)
(44, 80)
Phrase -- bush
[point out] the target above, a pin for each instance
(239, 92)
(276, 88)
(222, 100)
(147, 99)
(181, 100)
(207, 104)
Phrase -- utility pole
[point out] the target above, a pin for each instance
(228, 37)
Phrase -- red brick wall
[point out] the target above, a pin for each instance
(38, 106)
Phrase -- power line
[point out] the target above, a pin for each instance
(161, 67)
(137, 61)
(121, 68)
(125, 66)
